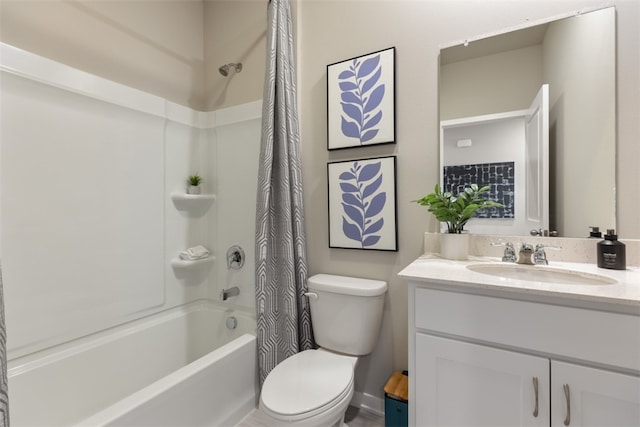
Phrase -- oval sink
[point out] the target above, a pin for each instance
(536, 273)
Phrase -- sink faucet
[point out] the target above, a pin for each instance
(509, 252)
(525, 255)
(540, 256)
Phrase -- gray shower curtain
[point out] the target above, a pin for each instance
(284, 322)
(4, 395)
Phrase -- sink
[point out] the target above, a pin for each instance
(537, 273)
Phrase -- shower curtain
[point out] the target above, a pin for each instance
(4, 394)
(284, 322)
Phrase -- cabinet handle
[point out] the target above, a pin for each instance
(535, 390)
(567, 419)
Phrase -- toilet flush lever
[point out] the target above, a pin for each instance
(311, 295)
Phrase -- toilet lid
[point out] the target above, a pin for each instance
(306, 382)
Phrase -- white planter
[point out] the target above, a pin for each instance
(454, 246)
(194, 189)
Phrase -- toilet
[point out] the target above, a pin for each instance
(314, 387)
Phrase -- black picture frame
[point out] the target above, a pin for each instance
(362, 204)
(361, 101)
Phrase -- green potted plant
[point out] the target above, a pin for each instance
(193, 184)
(455, 211)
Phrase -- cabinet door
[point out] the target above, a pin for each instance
(596, 397)
(463, 384)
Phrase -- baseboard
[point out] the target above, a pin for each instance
(368, 402)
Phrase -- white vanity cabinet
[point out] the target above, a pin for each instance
(598, 397)
(463, 384)
(500, 358)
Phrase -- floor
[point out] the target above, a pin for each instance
(354, 418)
(358, 418)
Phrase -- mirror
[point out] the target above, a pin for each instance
(487, 88)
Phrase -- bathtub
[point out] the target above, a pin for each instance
(181, 367)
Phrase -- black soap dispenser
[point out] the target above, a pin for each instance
(611, 252)
(595, 232)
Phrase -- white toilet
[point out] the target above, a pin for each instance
(313, 388)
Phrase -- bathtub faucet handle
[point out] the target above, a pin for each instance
(235, 257)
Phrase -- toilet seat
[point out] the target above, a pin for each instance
(307, 384)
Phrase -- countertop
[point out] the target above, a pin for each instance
(625, 292)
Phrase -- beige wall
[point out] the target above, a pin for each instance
(235, 31)
(171, 48)
(331, 31)
(516, 75)
(155, 46)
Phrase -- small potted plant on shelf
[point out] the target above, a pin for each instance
(194, 182)
(456, 211)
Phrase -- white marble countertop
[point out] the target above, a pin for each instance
(626, 290)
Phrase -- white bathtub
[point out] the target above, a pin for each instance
(182, 367)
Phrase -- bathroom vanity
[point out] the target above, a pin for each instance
(494, 343)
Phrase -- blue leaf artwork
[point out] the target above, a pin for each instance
(362, 203)
(361, 94)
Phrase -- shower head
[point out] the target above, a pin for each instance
(224, 70)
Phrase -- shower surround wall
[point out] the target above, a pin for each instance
(87, 221)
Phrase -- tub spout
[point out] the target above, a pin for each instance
(231, 292)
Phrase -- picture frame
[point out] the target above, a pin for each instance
(361, 101)
(362, 204)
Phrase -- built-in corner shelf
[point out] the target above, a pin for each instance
(197, 203)
(184, 263)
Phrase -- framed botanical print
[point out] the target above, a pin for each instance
(362, 204)
(361, 101)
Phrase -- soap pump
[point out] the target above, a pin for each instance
(611, 252)
(595, 232)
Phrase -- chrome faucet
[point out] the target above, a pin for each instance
(509, 252)
(526, 254)
(540, 256)
(231, 292)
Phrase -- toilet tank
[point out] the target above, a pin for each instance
(346, 312)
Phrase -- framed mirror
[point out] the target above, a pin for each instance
(554, 170)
